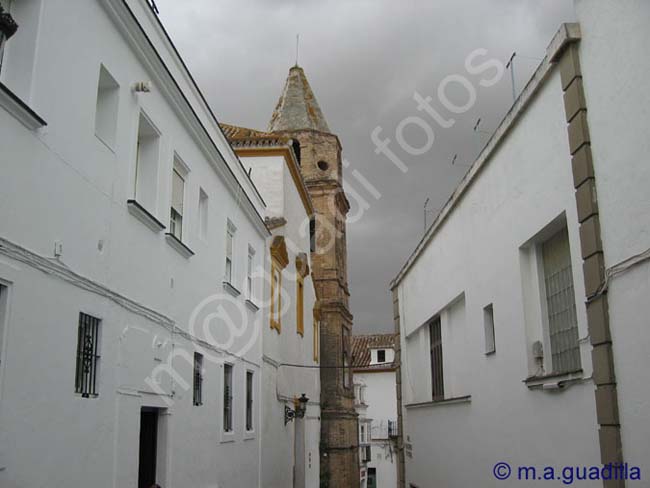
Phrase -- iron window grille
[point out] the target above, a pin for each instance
(249, 400)
(227, 398)
(437, 378)
(560, 303)
(87, 356)
(198, 379)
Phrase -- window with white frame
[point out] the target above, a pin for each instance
(146, 163)
(179, 174)
(249, 273)
(108, 98)
(203, 214)
(230, 245)
(560, 305)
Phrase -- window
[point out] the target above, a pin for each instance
(4, 292)
(488, 325)
(316, 338)
(203, 214)
(312, 234)
(146, 164)
(6, 6)
(560, 303)
(249, 400)
(437, 381)
(108, 96)
(227, 397)
(87, 356)
(300, 313)
(198, 379)
(346, 362)
(381, 356)
(276, 283)
(249, 273)
(178, 196)
(230, 238)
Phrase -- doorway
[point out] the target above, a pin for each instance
(148, 447)
(372, 478)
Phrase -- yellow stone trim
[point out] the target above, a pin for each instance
(276, 308)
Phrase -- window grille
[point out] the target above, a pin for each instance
(435, 336)
(87, 356)
(198, 379)
(227, 398)
(560, 303)
(249, 400)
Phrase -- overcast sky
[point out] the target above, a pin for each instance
(364, 60)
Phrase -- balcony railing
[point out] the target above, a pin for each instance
(393, 428)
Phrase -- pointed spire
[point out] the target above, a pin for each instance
(297, 108)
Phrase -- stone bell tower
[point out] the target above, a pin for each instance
(297, 115)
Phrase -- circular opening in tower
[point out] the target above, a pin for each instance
(323, 166)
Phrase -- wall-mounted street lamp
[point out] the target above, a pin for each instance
(298, 412)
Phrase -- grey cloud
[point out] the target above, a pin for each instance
(364, 59)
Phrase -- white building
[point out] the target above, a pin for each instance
(523, 311)
(127, 353)
(373, 360)
(290, 443)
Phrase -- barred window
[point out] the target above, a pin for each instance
(227, 397)
(560, 303)
(198, 379)
(87, 356)
(437, 378)
(249, 400)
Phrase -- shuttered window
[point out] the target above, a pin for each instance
(560, 303)
(230, 237)
(178, 194)
(87, 356)
(435, 336)
(227, 398)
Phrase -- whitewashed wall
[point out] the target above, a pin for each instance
(616, 67)
(381, 400)
(479, 257)
(63, 184)
(283, 383)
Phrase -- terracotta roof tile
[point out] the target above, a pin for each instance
(362, 345)
(244, 137)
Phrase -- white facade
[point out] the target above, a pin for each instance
(485, 253)
(70, 243)
(376, 404)
(290, 451)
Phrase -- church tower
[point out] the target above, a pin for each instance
(298, 115)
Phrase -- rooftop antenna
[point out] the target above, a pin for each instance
(297, 47)
(426, 202)
(511, 65)
(453, 162)
(479, 132)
